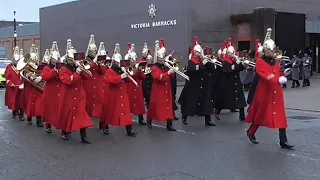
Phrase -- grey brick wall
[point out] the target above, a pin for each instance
(110, 21)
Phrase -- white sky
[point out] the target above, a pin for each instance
(26, 10)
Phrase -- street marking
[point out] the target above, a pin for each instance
(301, 156)
(164, 127)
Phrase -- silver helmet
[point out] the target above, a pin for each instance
(92, 48)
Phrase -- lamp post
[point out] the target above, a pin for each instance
(14, 29)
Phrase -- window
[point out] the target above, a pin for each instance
(3, 52)
(3, 64)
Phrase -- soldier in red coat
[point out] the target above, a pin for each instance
(116, 108)
(72, 115)
(268, 108)
(93, 86)
(52, 86)
(33, 96)
(14, 95)
(135, 93)
(160, 107)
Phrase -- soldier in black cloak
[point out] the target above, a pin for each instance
(230, 93)
(196, 96)
(147, 82)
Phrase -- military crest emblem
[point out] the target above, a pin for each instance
(152, 11)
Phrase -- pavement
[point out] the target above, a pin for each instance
(194, 152)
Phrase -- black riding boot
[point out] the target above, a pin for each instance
(21, 115)
(207, 121)
(141, 120)
(14, 113)
(39, 121)
(170, 126)
(29, 120)
(242, 116)
(184, 120)
(83, 136)
(130, 132)
(283, 139)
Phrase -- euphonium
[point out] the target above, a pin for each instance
(28, 72)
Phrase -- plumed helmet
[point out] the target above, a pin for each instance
(21, 53)
(161, 53)
(259, 48)
(268, 43)
(116, 54)
(127, 56)
(54, 51)
(156, 49)
(231, 49)
(70, 50)
(91, 46)
(33, 53)
(102, 49)
(220, 51)
(46, 56)
(133, 54)
(16, 54)
(145, 50)
(196, 46)
(224, 49)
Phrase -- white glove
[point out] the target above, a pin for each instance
(21, 86)
(171, 71)
(124, 75)
(205, 61)
(78, 70)
(232, 67)
(38, 79)
(238, 61)
(282, 80)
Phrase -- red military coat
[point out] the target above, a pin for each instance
(268, 107)
(135, 94)
(116, 109)
(51, 95)
(33, 100)
(94, 91)
(72, 114)
(160, 107)
(14, 96)
(7, 93)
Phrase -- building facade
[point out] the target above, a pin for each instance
(6, 24)
(26, 36)
(178, 21)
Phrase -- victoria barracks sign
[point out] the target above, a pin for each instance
(152, 13)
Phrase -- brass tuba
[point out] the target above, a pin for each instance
(28, 71)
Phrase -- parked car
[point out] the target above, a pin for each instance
(3, 66)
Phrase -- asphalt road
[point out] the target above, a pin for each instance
(194, 152)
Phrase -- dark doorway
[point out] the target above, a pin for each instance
(243, 45)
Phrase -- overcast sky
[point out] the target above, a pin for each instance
(27, 10)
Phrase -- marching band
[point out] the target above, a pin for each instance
(65, 91)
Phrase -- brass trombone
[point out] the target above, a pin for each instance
(170, 65)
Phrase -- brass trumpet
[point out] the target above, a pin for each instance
(213, 60)
(84, 65)
(248, 62)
